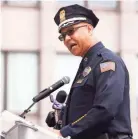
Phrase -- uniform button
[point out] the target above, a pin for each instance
(99, 54)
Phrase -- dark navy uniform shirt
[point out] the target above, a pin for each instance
(99, 97)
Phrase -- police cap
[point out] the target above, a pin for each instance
(74, 14)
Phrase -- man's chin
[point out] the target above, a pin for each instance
(76, 53)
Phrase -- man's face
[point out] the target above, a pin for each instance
(77, 38)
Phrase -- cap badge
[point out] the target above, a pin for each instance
(62, 16)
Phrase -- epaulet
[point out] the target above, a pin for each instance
(105, 54)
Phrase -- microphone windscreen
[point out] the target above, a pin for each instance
(66, 79)
(61, 96)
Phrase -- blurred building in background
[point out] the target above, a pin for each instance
(32, 57)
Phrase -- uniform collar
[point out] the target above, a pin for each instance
(94, 49)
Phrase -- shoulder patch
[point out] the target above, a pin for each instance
(106, 66)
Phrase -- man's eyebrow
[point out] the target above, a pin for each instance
(67, 30)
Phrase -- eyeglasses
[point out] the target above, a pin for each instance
(69, 32)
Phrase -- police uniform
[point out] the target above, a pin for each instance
(98, 102)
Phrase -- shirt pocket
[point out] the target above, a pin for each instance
(84, 81)
(83, 92)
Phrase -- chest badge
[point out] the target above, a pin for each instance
(86, 71)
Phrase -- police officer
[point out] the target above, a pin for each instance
(98, 105)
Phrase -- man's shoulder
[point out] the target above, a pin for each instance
(110, 56)
(107, 54)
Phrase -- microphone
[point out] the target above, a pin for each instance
(60, 99)
(58, 105)
(61, 96)
(46, 92)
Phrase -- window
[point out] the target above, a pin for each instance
(21, 3)
(137, 100)
(22, 79)
(66, 65)
(137, 5)
(69, 2)
(105, 4)
(137, 91)
(132, 68)
(1, 80)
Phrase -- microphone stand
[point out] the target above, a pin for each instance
(27, 110)
(58, 118)
(58, 125)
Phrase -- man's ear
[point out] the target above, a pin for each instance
(90, 29)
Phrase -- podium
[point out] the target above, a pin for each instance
(15, 127)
